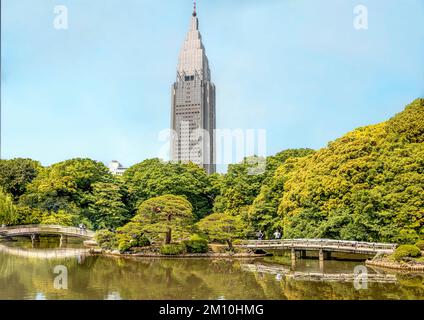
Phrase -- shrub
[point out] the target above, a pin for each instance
(131, 235)
(173, 249)
(125, 243)
(141, 241)
(196, 244)
(61, 218)
(420, 244)
(106, 239)
(405, 251)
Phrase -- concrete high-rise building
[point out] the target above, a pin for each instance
(193, 118)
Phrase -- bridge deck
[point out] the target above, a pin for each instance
(15, 231)
(322, 244)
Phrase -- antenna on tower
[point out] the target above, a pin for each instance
(194, 9)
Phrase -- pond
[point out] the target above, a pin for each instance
(49, 272)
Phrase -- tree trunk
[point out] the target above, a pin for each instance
(168, 236)
(230, 244)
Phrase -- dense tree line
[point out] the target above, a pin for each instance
(367, 185)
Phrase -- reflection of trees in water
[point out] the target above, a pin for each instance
(99, 277)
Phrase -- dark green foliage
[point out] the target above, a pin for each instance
(131, 235)
(161, 218)
(15, 174)
(81, 188)
(65, 184)
(173, 249)
(196, 244)
(405, 251)
(153, 178)
(106, 208)
(106, 239)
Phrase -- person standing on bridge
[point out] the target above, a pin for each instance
(277, 235)
(260, 235)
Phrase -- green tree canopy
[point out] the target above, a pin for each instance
(222, 227)
(262, 214)
(367, 185)
(152, 178)
(106, 209)
(243, 182)
(66, 186)
(15, 174)
(162, 216)
(8, 213)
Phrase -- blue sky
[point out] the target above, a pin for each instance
(297, 68)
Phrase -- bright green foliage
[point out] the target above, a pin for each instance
(8, 213)
(173, 249)
(27, 215)
(222, 227)
(262, 214)
(160, 217)
(420, 244)
(106, 239)
(406, 250)
(66, 182)
(367, 185)
(240, 185)
(60, 218)
(196, 244)
(152, 178)
(106, 209)
(66, 186)
(15, 175)
(125, 243)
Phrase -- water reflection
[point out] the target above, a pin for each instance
(99, 277)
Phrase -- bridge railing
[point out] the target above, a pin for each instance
(318, 243)
(42, 228)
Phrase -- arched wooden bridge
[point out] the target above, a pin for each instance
(36, 230)
(324, 246)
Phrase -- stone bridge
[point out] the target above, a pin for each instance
(34, 231)
(324, 247)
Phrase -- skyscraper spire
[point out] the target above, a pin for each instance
(193, 115)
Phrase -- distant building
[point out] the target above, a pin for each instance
(116, 168)
(193, 104)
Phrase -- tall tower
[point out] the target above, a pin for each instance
(193, 104)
